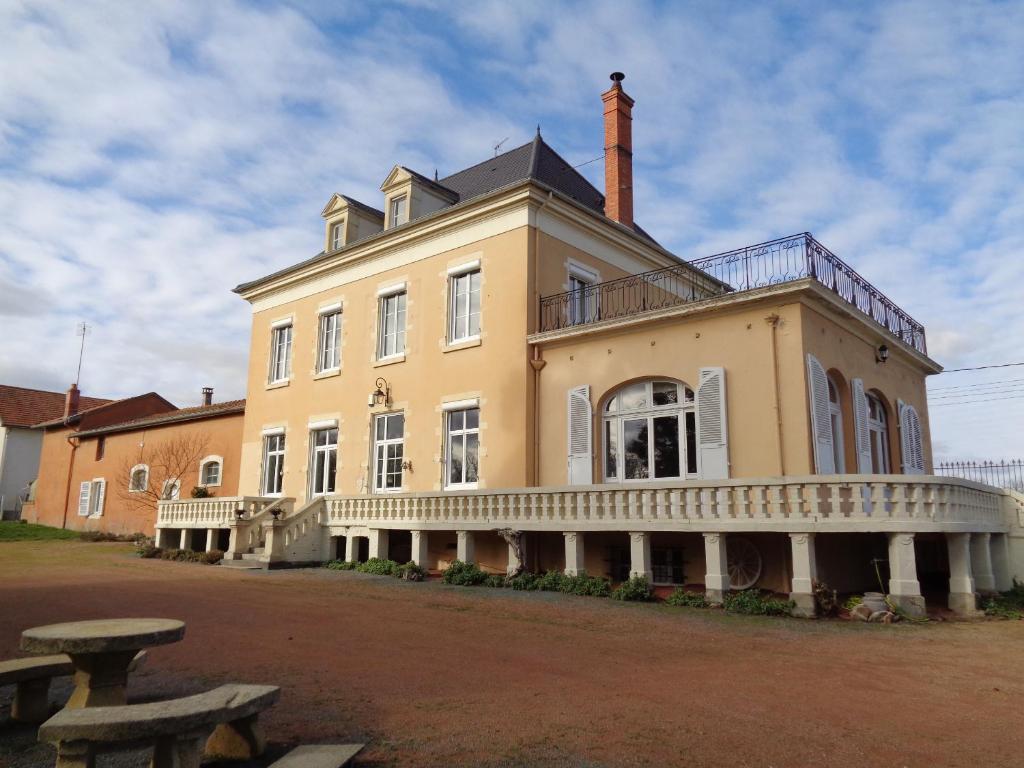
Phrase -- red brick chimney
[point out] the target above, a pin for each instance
(618, 152)
(71, 402)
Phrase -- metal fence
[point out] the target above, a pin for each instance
(756, 266)
(1001, 474)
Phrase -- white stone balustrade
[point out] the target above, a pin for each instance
(213, 512)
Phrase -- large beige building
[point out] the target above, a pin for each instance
(505, 348)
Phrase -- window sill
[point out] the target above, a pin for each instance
(389, 360)
(278, 384)
(462, 487)
(327, 374)
(455, 346)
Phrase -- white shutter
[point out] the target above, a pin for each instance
(712, 427)
(821, 418)
(860, 426)
(83, 498)
(98, 499)
(911, 444)
(581, 464)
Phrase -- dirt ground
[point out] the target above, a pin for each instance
(430, 675)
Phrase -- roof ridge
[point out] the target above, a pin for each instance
(52, 392)
(534, 155)
(484, 162)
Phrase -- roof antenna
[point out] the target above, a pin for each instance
(82, 330)
(497, 147)
(538, 129)
(435, 174)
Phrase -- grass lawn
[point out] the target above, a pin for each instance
(14, 531)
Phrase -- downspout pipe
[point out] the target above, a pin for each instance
(773, 325)
(536, 361)
(73, 441)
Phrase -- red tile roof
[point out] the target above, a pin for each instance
(179, 414)
(21, 407)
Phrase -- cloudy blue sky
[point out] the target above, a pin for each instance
(153, 155)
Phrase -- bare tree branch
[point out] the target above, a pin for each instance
(168, 461)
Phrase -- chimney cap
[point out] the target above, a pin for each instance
(617, 77)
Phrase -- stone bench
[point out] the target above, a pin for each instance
(225, 719)
(319, 756)
(32, 676)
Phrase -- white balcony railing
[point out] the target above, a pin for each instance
(214, 512)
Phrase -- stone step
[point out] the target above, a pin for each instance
(258, 550)
(319, 756)
(253, 556)
(244, 565)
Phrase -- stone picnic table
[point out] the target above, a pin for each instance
(101, 651)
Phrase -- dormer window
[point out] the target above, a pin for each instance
(399, 210)
(337, 235)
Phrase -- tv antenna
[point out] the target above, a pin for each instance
(82, 330)
(497, 147)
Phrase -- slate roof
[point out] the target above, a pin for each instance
(226, 408)
(22, 407)
(362, 206)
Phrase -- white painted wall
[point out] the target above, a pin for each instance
(19, 465)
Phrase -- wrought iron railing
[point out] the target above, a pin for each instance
(1001, 474)
(777, 261)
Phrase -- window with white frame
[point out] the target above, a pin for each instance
(650, 432)
(878, 435)
(97, 494)
(835, 412)
(280, 352)
(463, 447)
(328, 356)
(388, 452)
(338, 235)
(324, 461)
(138, 478)
(399, 210)
(464, 309)
(391, 325)
(582, 306)
(210, 472)
(171, 490)
(273, 464)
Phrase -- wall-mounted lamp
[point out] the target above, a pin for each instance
(881, 354)
(381, 395)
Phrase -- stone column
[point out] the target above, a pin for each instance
(379, 539)
(904, 589)
(466, 548)
(351, 551)
(420, 549)
(640, 555)
(716, 578)
(237, 539)
(981, 563)
(961, 584)
(1000, 557)
(183, 538)
(273, 541)
(211, 539)
(573, 553)
(805, 573)
(162, 538)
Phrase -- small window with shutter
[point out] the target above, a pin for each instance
(712, 425)
(580, 471)
(911, 442)
(821, 417)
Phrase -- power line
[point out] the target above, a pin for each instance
(978, 384)
(989, 400)
(976, 392)
(981, 367)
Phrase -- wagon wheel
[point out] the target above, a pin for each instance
(744, 563)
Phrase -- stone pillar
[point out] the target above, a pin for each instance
(379, 539)
(640, 555)
(237, 540)
(466, 548)
(904, 590)
(573, 553)
(351, 550)
(183, 538)
(273, 542)
(981, 563)
(211, 539)
(420, 550)
(716, 578)
(162, 538)
(961, 584)
(805, 573)
(1000, 557)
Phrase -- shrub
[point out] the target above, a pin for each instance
(551, 581)
(524, 582)
(1007, 605)
(853, 602)
(212, 557)
(379, 566)
(105, 536)
(463, 574)
(636, 588)
(681, 597)
(341, 565)
(201, 492)
(411, 572)
(753, 603)
(585, 586)
(495, 581)
(147, 551)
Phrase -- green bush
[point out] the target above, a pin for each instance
(379, 566)
(495, 581)
(201, 492)
(585, 586)
(753, 603)
(681, 597)
(524, 582)
(463, 574)
(340, 565)
(147, 551)
(1007, 605)
(636, 588)
(212, 557)
(411, 572)
(853, 602)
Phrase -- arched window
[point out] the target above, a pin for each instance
(210, 470)
(138, 478)
(650, 432)
(878, 434)
(171, 490)
(835, 412)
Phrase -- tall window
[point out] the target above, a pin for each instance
(171, 490)
(337, 235)
(579, 300)
(98, 491)
(139, 478)
(280, 353)
(463, 446)
(650, 432)
(324, 461)
(329, 342)
(399, 210)
(465, 306)
(835, 412)
(101, 447)
(391, 325)
(878, 434)
(388, 452)
(273, 465)
(209, 474)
